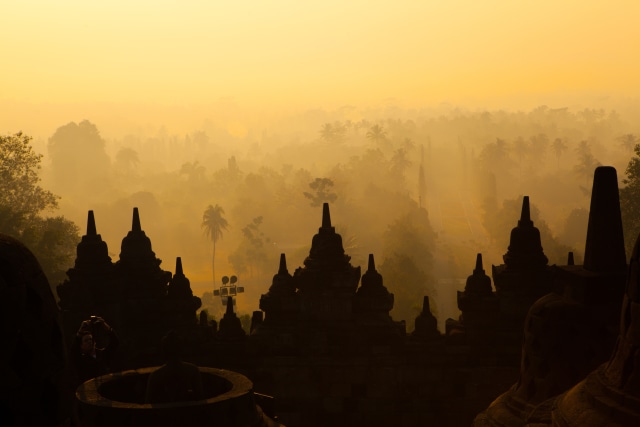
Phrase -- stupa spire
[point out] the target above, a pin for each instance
(135, 223)
(525, 216)
(604, 249)
(479, 268)
(326, 216)
(179, 266)
(525, 248)
(279, 304)
(283, 265)
(426, 325)
(372, 263)
(371, 277)
(179, 286)
(478, 283)
(91, 225)
(230, 325)
(136, 246)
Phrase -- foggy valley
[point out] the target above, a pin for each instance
(423, 191)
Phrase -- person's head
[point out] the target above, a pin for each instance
(87, 344)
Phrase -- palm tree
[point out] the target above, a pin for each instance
(339, 132)
(495, 156)
(559, 147)
(377, 134)
(538, 147)
(327, 132)
(586, 163)
(194, 171)
(521, 148)
(214, 224)
(422, 182)
(408, 145)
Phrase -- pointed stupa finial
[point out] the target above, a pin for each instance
(179, 266)
(326, 216)
(525, 247)
(92, 250)
(283, 265)
(525, 216)
(570, 260)
(282, 283)
(91, 225)
(426, 324)
(229, 306)
(135, 223)
(371, 278)
(425, 305)
(478, 283)
(479, 268)
(604, 248)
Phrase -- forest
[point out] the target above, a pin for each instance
(422, 190)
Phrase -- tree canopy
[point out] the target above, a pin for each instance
(22, 203)
(407, 262)
(79, 161)
(322, 192)
(21, 197)
(253, 255)
(630, 201)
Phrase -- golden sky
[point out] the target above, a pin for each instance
(328, 53)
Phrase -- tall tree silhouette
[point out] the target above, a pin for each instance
(127, 161)
(538, 147)
(628, 141)
(422, 182)
(630, 200)
(399, 164)
(254, 254)
(322, 192)
(79, 162)
(559, 147)
(335, 132)
(495, 157)
(521, 148)
(214, 224)
(128, 158)
(377, 134)
(194, 172)
(587, 163)
(326, 132)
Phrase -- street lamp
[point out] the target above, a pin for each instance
(228, 289)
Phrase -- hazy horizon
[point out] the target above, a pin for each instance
(257, 81)
(106, 61)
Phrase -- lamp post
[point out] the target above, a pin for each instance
(229, 288)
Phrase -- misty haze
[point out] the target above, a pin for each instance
(424, 191)
(320, 213)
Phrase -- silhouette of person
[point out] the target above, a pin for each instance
(175, 381)
(88, 359)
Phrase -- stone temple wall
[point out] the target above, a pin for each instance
(325, 347)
